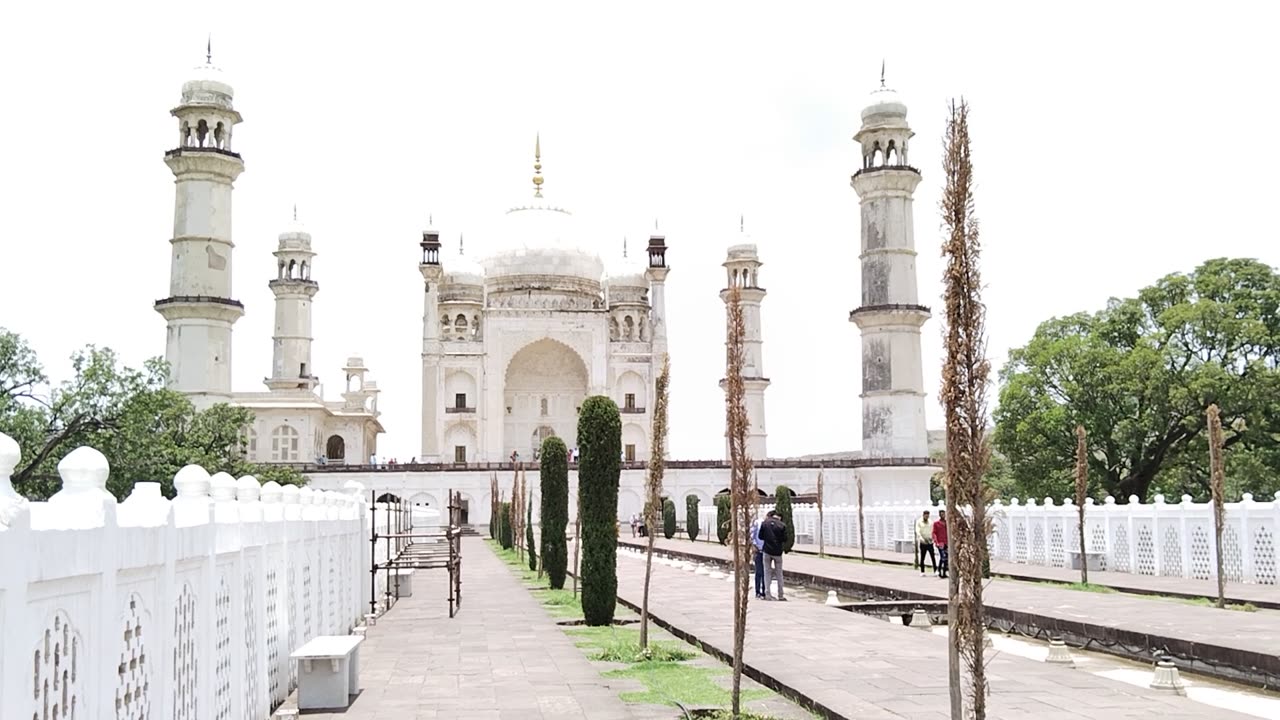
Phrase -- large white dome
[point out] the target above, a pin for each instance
(541, 239)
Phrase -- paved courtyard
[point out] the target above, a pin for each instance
(1260, 595)
(865, 668)
(501, 658)
(1257, 632)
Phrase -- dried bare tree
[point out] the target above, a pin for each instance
(495, 505)
(822, 534)
(653, 499)
(513, 510)
(1082, 494)
(862, 525)
(964, 389)
(742, 496)
(1217, 479)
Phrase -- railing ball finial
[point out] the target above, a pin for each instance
(191, 481)
(10, 455)
(84, 469)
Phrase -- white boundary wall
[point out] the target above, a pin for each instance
(1157, 538)
(178, 609)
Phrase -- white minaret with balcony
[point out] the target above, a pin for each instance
(199, 310)
(294, 289)
(890, 315)
(432, 344)
(742, 270)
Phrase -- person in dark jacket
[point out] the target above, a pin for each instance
(773, 534)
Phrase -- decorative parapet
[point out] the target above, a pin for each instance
(1156, 538)
(780, 464)
(180, 586)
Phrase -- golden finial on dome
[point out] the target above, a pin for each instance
(537, 165)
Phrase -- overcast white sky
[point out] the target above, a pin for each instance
(1114, 143)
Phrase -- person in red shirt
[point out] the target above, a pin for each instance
(940, 542)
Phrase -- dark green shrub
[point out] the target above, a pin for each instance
(722, 518)
(691, 516)
(783, 506)
(599, 459)
(528, 535)
(554, 512)
(504, 525)
(668, 518)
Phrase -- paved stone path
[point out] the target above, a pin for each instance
(502, 657)
(1257, 632)
(1261, 595)
(861, 667)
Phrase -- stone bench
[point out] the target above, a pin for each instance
(1096, 560)
(906, 545)
(805, 539)
(328, 671)
(400, 582)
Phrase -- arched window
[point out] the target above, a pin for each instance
(284, 444)
(335, 448)
(460, 326)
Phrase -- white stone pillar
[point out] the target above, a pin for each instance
(432, 347)
(291, 367)
(742, 266)
(200, 311)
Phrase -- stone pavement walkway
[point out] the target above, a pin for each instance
(861, 667)
(1256, 632)
(502, 657)
(1260, 595)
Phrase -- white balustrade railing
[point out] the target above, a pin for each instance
(1156, 538)
(182, 609)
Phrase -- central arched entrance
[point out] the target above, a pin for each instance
(545, 384)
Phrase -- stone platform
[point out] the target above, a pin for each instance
(1222, 643)
(853, 666)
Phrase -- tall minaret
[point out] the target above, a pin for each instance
(742, 267)
(432, 346)
(199, 310)
(656, 274)
(890, 315)
(294, 289)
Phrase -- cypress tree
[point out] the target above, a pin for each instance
(668, 518)
(599, 453)
(528, 534)
(783, 507)
(554, 512)
(691, 516)
(722, 518)
(504, 525)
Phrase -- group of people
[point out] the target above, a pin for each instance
(928, 536)
(769, 540)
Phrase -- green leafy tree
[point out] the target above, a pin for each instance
(146, 431)
(668, 518)
(504, 526)
(528, 535)
(1138, 376)
(783, 506)
(722, 518)
(554, 510)
(691, 516)
(599, 453)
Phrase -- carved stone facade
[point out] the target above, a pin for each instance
(512, 345)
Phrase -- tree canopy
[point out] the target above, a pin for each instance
(146, 431)
(1138, 375)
